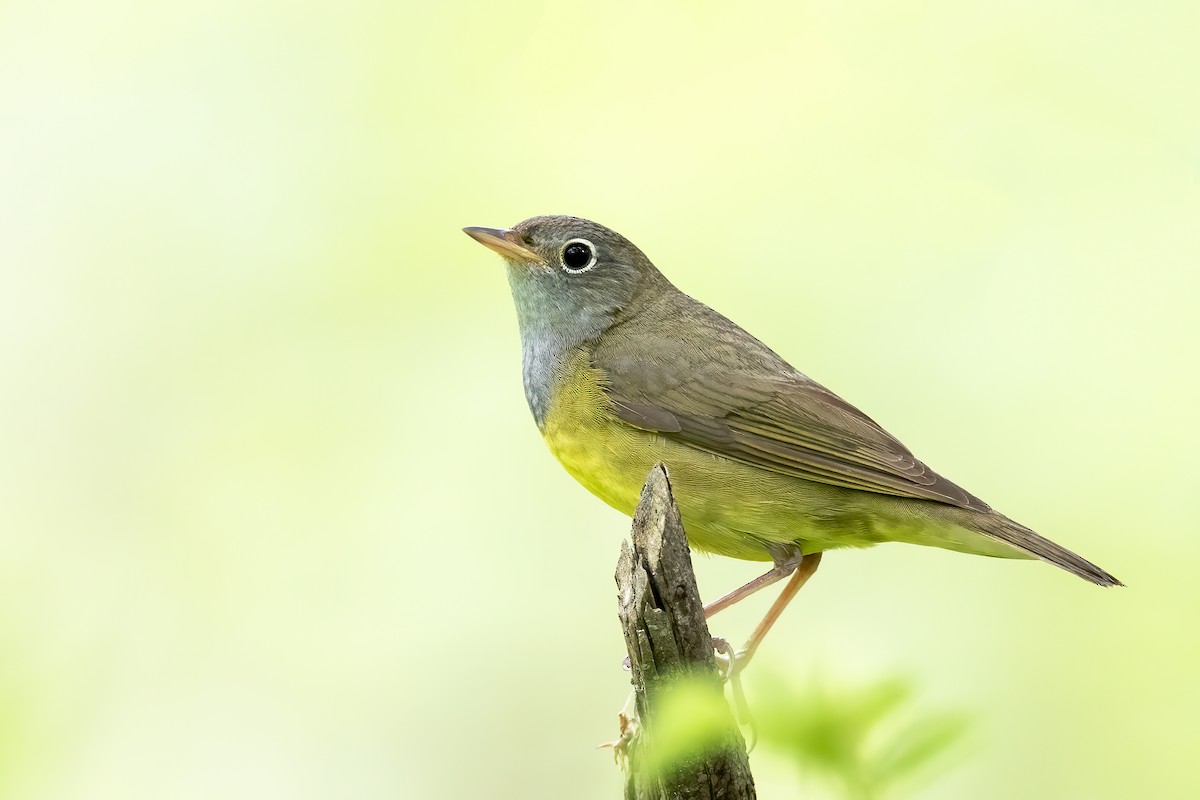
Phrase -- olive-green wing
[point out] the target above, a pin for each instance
(691, 375)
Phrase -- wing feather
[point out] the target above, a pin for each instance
(724, 392)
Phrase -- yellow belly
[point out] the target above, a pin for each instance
(728, 508)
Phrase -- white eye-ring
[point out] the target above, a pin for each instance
(578, 255)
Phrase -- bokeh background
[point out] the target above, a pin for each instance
(274, 520)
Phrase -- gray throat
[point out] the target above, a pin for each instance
(550, 331)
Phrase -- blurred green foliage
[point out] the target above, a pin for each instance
(689, 718)
(867, 740)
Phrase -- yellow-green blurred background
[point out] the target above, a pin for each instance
(274, 520)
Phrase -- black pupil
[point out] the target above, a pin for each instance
(577, 256)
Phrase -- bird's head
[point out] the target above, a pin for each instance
(567, 271)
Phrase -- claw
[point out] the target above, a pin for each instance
(725, 657)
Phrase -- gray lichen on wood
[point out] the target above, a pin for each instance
(668, 639)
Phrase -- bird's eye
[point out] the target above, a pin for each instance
(578, 255)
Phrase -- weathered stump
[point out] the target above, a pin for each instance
(668, 643)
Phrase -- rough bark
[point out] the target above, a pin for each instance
(668, 639)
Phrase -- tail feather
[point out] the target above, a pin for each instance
(1004, 529)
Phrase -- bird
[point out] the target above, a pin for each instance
(623, 371)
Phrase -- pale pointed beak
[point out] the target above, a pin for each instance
(507, 243)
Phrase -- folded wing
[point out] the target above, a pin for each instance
(726, 393)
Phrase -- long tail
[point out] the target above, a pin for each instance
(1004, 529)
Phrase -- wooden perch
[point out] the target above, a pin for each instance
(668, 639)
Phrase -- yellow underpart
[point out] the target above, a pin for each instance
(728, 508)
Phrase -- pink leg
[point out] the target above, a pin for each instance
(808, 565)
(777, 573)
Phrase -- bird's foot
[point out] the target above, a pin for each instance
(730, 664)
(726, 657)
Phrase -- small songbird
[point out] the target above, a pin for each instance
(623, 371)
